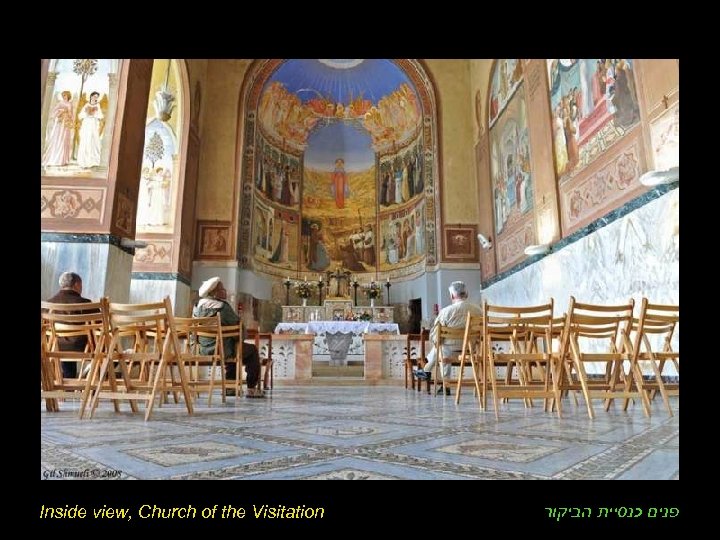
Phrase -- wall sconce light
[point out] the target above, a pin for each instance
(129, 243)
(485, 242)
(537, 249)
(658, 178)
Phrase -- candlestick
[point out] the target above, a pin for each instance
(287, 284)
(321, 284)
(387, 286)
(355, 286)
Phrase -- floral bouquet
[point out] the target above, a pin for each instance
(304, 289)
(372, 291)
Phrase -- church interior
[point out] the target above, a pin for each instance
(337, 204)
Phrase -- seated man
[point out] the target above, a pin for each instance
(70, 293)
(452, 316)
(213, 300)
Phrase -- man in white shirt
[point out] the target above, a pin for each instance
(453, 316)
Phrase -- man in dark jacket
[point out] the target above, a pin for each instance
(213, 300)
(70, 293)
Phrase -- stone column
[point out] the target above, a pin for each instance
(83, 220)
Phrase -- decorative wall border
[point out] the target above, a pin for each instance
(584, 197)
(64, 203)
(160, 276)
(157, 253)
(85, 238)
(590, 228)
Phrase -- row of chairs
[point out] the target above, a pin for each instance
(138, 352)
(546, 357)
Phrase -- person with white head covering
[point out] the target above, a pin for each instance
(213, 300)
(452, 316)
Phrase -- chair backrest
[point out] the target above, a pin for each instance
(233, 331)
(657, 321)
(263, 342)
(473, 335)
(597, 322)
(448, 336)
(189, 329)
(149, 330)
(71, 333)
(65, 321)
(417, 351)
(520, 326)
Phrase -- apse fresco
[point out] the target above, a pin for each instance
(594, 104)
(276, 236)
(78, 116)
(402, 236)
(338, 154)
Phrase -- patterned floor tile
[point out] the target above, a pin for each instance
(355, 469)
(361, 433)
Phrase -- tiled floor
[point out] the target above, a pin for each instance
(362, 433)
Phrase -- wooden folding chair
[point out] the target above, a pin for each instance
(589, 328)
(657, 323)
(144, 346)
(522, 328)
(451, 339)
(71, 321)
(235, 332)
(415, 356)
(473, 351)
(263, 343)
(189, 330)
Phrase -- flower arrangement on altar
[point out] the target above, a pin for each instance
(304, 289)
(372, 290)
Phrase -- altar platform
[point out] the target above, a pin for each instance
(338, 342)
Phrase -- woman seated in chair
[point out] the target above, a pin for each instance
(213, 300)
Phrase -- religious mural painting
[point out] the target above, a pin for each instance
(402, 223)
(78, 116)
(338, 145)
(506, 78)
(511, 178)
(161, 152)
(593, 103)
(276, 235)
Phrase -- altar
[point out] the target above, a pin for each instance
(337, 310)
(338, 342)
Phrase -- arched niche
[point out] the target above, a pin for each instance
(345, 163)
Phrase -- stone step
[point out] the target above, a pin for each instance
(323, 370)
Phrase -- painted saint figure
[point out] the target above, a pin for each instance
(90, 143)
(318, 258)
(339, 186)
(58, 144)
(281, 251)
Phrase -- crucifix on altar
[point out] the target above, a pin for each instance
(342, 281)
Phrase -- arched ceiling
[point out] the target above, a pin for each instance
(340, 81)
